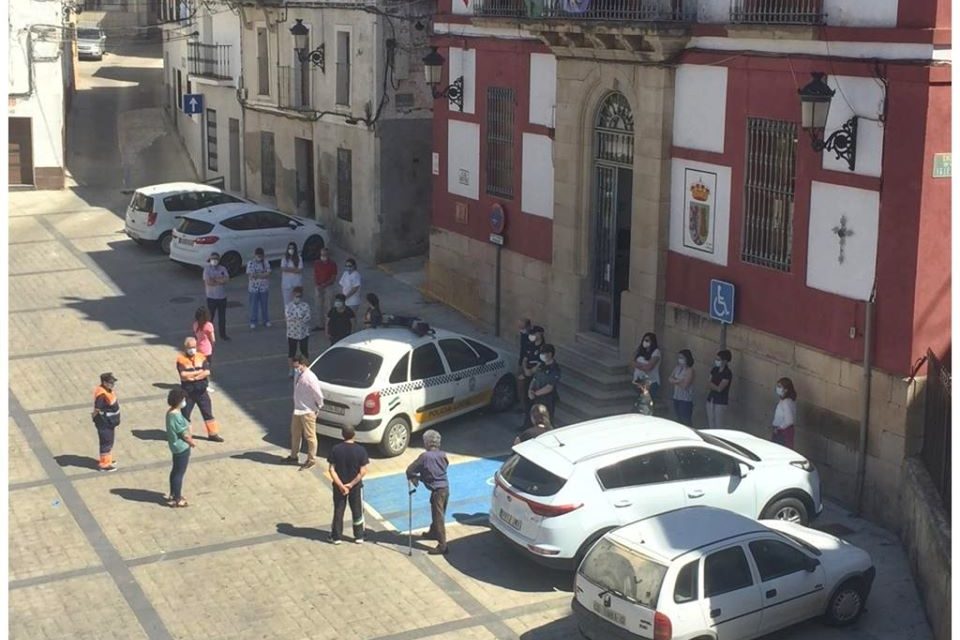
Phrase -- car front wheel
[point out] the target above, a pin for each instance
(396, 437)
(789, 509)
(311, 248)
(847, 604)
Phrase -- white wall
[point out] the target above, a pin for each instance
(463, 159)
(862, 97)
(543, 89)
(700, 107)
(853, 278)
(45, 105)
(720, 211)
(464, 63)
(537, 188)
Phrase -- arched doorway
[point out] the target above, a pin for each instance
(611, 210)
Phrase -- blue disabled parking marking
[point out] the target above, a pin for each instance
(471, 485)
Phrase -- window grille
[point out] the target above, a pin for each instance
(768, 193)
(268, 165)
(500, 105)
(343, 68)
(345, 184)
(212, 140)
(263, 63)
(777, 12)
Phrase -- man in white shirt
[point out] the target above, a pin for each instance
(307, 400)
(350, 285)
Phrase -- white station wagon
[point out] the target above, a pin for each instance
(389, 382)
(700, 573)
(564, 489)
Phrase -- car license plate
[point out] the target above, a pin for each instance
(510, 520)
(183, 240)
(329, 408)
(610, 614)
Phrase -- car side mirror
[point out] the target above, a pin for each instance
(744, 469)
(293, 225)
(812, 563)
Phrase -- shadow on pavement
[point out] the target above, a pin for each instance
(149, 434)
(166, 386)
(70, 460)
(562, 629)
(481, 556)
(140, 495)
(307, 533)
(263, 458)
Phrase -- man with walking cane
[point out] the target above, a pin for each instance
(431, 468)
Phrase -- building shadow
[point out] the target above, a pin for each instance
(83, 462)
(562, 629)
(140, 495)
(149, 434)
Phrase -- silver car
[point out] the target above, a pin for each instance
(91, 43)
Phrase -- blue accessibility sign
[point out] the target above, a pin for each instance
(721, 301)
(193, 103)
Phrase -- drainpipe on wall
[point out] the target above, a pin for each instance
(865, 408)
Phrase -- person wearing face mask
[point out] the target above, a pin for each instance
(339, 320)
(373, 318)
(528, 367)
(785, 415)
(324, 277)
(682, 381)
(298, 327)
(545, 383)
(719, 389)
(291, 268)
(194, 373)
(307, 401)
(350, 285)
(258, 289)
(106, 418)
(180, 442)
(215, 278)
(646, 364)
(523, 329)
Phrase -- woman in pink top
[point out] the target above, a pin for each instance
(203, 330)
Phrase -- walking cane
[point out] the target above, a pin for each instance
(412, 490)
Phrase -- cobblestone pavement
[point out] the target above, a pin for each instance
(97, 555)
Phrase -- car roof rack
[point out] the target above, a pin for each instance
(413, 323)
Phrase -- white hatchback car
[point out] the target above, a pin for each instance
(561, 491)
(236, 230)
(700, 573)
(389, 382)
(154, 211)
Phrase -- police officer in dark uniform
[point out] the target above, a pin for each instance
(543, 387)
(106, 418)
(528, 367)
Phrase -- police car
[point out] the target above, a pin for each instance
(391, 381)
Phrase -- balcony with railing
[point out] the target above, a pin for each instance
(209, 60)
(777, 12)
(593, 10)
(294, 88)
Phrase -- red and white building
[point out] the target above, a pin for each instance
(651, 147)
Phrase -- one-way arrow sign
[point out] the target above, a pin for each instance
(193, 103)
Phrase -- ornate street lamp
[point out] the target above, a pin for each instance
(814, 107)
(301, 35)
(432, 72)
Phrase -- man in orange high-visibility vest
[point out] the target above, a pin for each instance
(194, 372)
(106, 418)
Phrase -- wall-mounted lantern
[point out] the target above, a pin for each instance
(301, 38)
(433, 70)
(814, 107)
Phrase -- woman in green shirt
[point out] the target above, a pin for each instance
(180, 441)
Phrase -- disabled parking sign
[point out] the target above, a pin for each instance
(721, 301)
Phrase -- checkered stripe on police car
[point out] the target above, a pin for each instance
(406, 387)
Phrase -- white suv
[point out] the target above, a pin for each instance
(154, 211)
(700, 573)
(561, 491)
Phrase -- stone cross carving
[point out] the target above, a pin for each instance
(842, 233)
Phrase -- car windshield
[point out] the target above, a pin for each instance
(624, 572)
(353, 368)
(729, 446)
(803, 543)
(530, 478)
(192, 227)
(88, 34)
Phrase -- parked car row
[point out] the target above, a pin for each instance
(189, 221)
